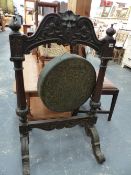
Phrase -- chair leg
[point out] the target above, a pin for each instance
(28, 103)
(113, 102)
(95, 141)
(25, 153)
(75, 112)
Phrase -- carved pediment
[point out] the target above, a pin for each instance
(63, 28)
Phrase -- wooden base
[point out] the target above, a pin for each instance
(59, 124)
(25, 154)
(95, 141)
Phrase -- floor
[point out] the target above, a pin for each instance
(66, 151)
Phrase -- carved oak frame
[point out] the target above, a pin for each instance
(67, 29)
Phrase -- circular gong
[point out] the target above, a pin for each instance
(66, 82)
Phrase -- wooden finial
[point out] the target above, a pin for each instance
(15, 25)
(110, 31)
(109, 43)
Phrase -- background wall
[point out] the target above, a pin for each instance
(20, 3)
(7, 5)
(96, 3)
(94, 6)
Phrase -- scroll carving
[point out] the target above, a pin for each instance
(63, 28)
(67, 123)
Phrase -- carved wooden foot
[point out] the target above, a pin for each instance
(95, 141)
(25, 154)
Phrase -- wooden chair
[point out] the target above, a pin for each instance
(48, 51)
(108, 89)
(57, 102)
(41, 9)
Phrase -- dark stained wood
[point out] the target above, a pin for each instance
(108, 89)
(80, 7)
(66, 29)
(61, 123)
(45, 7)
(76, 30)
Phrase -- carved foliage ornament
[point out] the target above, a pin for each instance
(63, 28)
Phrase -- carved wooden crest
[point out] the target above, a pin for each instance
(63, 28)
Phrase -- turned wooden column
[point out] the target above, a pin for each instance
(17, 58)
(105, 55)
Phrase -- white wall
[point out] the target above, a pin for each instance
(96, 3)
(94, 6)
(20, 9)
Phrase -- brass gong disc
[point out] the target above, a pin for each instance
(66, 82)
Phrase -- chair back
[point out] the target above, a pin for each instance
(44, 8)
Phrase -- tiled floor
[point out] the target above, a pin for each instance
(67, 151)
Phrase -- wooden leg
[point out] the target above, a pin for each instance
(75, 112)
(28, 103)
(113, 102)
(25, 154)
(92, 132)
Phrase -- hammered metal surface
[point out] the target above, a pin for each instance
(66, 82)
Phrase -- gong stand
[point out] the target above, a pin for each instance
(66, 29)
